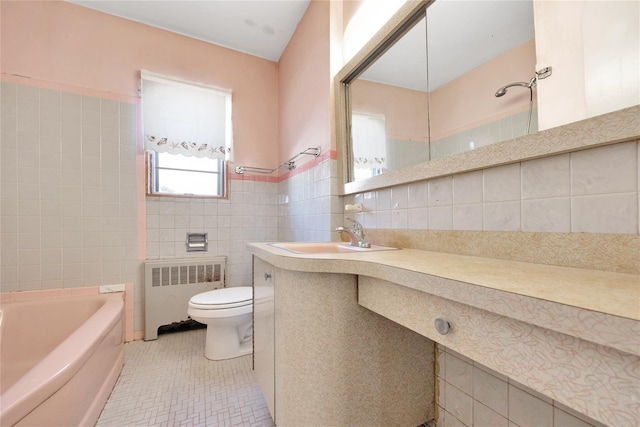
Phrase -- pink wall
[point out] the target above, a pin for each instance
(463, 103)
(405, 110)
(469, 101)
(55, 41)
(304, 91)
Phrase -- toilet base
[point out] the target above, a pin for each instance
(223, 343)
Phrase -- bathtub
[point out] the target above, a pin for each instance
(60, 359)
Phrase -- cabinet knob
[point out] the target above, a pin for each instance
(442, 326)
(267, 276)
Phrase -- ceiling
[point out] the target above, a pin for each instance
(257, 27)
(461, 35)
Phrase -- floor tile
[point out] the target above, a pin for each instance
(169, 382)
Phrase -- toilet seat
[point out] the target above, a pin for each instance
(221, 299)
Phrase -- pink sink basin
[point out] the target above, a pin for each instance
(325, 247)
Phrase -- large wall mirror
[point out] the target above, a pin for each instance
(432, 93)
(447, 77)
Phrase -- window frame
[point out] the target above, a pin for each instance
(152, 182)
(152, 156)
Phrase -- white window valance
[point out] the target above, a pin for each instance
(369, 139)
(183, 118)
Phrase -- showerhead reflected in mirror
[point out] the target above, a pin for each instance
(437, 99)
(532, 83)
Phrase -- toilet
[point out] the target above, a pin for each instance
(227, 312)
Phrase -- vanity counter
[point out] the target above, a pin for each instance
(598, 306)
(571, 334)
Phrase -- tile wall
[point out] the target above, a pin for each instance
(303, 206)
(472, 395)
(68, 190)
(309, 207)
(69, 213)
(590, 191)
(250, 214)
(404, 153)
(489, 133)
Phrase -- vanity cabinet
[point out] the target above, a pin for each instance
(353, 333)
(569, 369)
(264, 330)
(322, 359)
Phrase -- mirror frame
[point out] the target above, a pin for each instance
(619, 126)
(401, 22)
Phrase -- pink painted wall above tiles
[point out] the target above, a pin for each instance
(304, 89)
(55, 41)
(405, 110)
(463, 103)
(469, 100)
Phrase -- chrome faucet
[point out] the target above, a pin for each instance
(356, 234)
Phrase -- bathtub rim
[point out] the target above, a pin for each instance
(58, 370)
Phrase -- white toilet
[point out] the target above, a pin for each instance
(227, 312)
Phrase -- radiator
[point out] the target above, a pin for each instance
(169, 285)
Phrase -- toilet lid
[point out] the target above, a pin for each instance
(223, 298)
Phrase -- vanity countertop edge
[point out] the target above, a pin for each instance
(553, 297)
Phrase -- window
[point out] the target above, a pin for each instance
(187, 137)
(181, 175)
(369, 138)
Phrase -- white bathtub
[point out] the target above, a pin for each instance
(60, 359)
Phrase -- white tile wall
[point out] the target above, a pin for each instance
(590, 191)
(502, 183)
(506, 128)
(467, 188)
(250, 214)
(472, 395)
(546, 177)
(309, 207)
(69, 214)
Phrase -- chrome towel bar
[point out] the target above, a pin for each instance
(289, 164)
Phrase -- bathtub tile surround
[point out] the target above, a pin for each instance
(69, 206)
(471, 394)
(169, 382)
(69, 213)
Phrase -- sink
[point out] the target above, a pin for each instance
(326, 247)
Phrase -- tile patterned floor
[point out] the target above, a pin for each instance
(169, 382)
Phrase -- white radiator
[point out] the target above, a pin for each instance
(169, 285)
